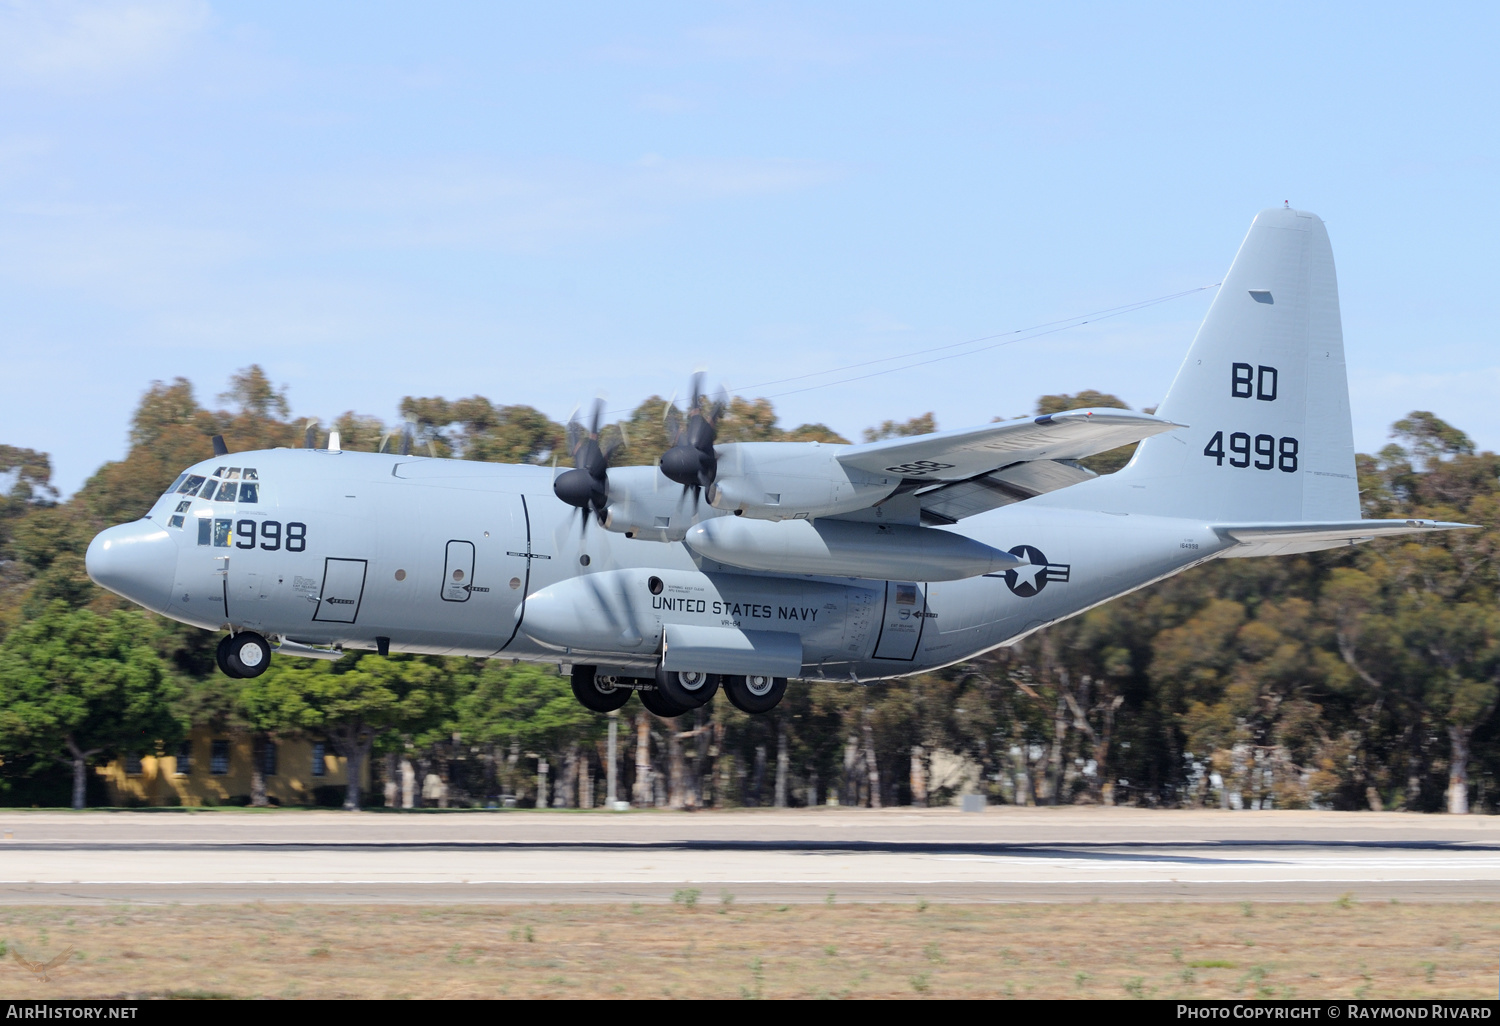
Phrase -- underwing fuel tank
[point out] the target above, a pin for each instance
(725, 622)
(844, 548)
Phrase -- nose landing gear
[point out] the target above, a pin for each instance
(242, 655)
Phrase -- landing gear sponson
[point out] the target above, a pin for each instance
(671, 693)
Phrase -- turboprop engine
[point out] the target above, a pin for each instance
(843, 548)
(792, 481)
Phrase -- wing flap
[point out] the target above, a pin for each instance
(967, 453)
(950, 503)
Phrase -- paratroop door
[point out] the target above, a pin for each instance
(343, 589)
(901, 627)
(458, 571)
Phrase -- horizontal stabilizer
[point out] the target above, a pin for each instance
(968, 452)
(1273, 539)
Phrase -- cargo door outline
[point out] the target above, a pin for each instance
(343, 590)
(897, 640)
(458, 558)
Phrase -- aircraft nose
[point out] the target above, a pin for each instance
(137, 561)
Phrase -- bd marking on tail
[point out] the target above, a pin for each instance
(1242, 375)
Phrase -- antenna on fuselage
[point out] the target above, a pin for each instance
(310, 435)
(220, 449)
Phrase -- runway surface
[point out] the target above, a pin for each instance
(1009, 854)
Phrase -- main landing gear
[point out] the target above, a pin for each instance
(245, 654)
(671, 693)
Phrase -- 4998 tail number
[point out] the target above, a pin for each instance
(1263, 452)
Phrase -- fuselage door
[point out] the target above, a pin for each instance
(458, 571)
(343, 590)
(901, 627)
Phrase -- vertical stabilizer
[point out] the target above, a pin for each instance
(1263, 392)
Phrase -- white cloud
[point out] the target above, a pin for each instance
(73, 43)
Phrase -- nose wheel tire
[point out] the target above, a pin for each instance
(597, 692)
(242, 655)
(754, 694)
(688, 689)
(660, 704)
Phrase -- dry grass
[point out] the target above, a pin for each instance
(708, 947)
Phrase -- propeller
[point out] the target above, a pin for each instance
(692, 462)
(587, 484)
(403, 440)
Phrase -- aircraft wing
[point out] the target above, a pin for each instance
(968, 453)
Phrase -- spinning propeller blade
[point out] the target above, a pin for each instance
(587, 484)
(692, 461)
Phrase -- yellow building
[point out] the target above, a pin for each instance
(213, 768)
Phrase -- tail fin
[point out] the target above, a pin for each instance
(1263, 393)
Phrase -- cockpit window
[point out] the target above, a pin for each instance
(229, 484)
(180, 478)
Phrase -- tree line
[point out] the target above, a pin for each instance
(1364, 677)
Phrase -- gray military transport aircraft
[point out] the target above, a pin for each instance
(743, 564)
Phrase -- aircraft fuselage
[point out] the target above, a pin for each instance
(451, 557)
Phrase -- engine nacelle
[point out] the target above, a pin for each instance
(644, 504)
(792, 481)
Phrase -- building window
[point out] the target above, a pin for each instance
(184, 758)
(319, 767)
(265, 756)
(133, 764)
(219, 761)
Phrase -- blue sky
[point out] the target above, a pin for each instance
(539, 203)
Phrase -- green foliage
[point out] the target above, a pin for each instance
(75, 685)
(476, 429)
(525, 705)
(926, 424)
(253, 393)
